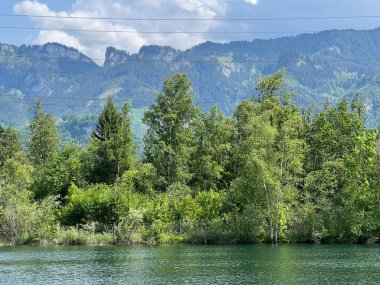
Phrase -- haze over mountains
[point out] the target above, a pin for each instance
(327, 65)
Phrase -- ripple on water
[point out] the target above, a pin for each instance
(185, 264)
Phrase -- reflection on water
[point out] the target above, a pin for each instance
(178, 264)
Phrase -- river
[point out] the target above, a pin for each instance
(187, 264)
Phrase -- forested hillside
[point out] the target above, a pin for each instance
(269, 173)
(329, 65)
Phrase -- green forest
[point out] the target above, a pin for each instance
(269, 173)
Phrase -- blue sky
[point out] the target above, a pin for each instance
(94, 44)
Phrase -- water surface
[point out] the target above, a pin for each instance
(185, 264)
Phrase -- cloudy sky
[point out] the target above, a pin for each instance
(143, 32)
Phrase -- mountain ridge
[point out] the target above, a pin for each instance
(328, 65)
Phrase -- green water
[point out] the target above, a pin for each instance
(185, 264)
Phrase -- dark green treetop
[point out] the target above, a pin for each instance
(44, 137)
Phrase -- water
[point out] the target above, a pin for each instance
(185, 264)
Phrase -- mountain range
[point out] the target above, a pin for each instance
(323, 66)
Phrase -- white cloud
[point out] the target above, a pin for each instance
(253, 2)
(206, 9)
(94, 43)
(60, 37)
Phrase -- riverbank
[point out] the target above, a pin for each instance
(87, 236)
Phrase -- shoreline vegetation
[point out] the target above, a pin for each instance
(73, 236)
(269, 174)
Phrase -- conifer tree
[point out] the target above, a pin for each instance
(44, 137)
(109, 122)
(10, 144)
(111, 151)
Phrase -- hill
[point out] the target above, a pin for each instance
(327, 65)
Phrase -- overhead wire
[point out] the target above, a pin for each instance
(334, 17)
(101, 100)
(151, 32)
(218, 60)
(123, 100)
(71, 106)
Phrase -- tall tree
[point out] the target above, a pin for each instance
(169, 139)
(44, 137)
(16, 208)
(108, 124)
(10, 144)
(339, 162)
(112, 150)
(209, 161)
(127, 148)
(269, 151)
(371, 223)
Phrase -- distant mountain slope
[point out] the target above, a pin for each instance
(326, 65)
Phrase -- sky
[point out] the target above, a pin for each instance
(151, 31)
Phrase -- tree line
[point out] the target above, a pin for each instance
(269, 173)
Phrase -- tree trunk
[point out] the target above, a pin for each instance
(270, 219)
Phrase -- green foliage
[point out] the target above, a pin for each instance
(142, 178)
(22, 219)
(339, 162)
(267, 174)
(85, 236)
(77, 127)
(10, 144)
(112, 145)
(169, 139)
(213, 136)
(60, 173)
(93, 204)
(44, 138)
(371, 221)
(15, 204)
(108, 123)
(210, 205)
(269, 151)
(271, 87)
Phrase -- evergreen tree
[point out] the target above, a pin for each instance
(111, 151)
(10, 144)
(170, 135)
(109, 122)
(127, 149)
(44, 137)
